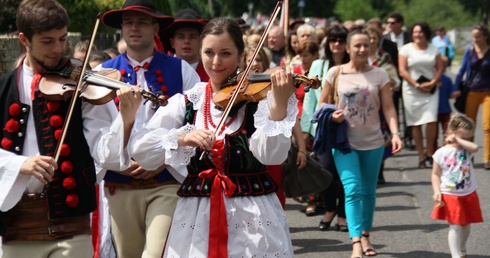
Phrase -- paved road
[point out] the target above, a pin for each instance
(402, 224)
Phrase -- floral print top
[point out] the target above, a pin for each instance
(359, 97)
(458, 174)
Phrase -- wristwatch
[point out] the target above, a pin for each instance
(417, 85)
(396, 133)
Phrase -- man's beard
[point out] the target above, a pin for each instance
(43, 65)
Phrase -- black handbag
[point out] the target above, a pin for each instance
(460, 102)
(313, 178)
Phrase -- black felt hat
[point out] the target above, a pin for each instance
(113, 18)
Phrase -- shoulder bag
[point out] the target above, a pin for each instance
(313, 178)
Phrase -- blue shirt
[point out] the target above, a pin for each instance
(444, 94)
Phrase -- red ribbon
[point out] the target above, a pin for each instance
(144, 66)
(218, 225)
(35, 81)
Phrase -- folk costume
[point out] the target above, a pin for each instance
(36, 219)
(141, 230)
(227, 200)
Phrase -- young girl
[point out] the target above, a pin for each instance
(454, 184)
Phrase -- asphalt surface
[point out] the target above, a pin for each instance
(403, 227)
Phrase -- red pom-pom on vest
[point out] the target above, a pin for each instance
(14, 109)
(12, 126)
(57, 134)
(72, 200)
(69, 183)
(66, 167)
(164, 89)
(65, 150)
(6, 143)
(123, 72)
(160, 79)
(56, 121)
(158, 72)
(53, 106)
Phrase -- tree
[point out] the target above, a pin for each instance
(447, 13)
(355, 9)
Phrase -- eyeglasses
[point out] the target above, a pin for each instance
(391, 23)
(338, 40)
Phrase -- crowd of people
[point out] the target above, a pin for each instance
(130, 178)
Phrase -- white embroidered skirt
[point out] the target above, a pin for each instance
(257, 226)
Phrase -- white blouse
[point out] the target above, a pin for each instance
(156, 144)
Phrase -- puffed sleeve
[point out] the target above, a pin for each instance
(272, 139)
(12, 183)
(156, 144)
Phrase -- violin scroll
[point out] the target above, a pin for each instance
(307, 81)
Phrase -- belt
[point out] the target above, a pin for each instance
(29, 221)
(140, 183)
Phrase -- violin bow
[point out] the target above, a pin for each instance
(76, 91)
(241, 82)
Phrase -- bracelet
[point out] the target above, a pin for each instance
(303, 151)
(396, 133)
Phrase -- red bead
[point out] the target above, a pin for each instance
(56, 121)
(164, 89)
(123, 72)
(158, 72)
(12, 126)
(160, 79)
(69, 183)
(65, 150)
(72, 200)
(66, 167)
(57, 134)
(6, 143)
(14, 109)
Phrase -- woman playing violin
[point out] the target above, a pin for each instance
(227, 198)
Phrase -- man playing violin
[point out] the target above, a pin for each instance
(45, 201)
(142, 202)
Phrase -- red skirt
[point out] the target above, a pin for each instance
(459, 210)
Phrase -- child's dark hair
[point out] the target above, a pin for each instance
(459, 121)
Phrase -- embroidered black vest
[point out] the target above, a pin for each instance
(72, 191)
(245, 171)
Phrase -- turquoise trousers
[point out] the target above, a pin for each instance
(358, 171)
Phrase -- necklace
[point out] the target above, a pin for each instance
(208, 119)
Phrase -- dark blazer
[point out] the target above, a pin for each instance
(385, 44)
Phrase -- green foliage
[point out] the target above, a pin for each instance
(447, 13)
(8, 9)
(355, 9)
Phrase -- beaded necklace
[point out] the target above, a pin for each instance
(208, 119)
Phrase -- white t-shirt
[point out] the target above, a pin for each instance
(458, 175)
(359, 97)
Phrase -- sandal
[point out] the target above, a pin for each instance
(429, 160)
(356, 242)
(369, 251)
(422, 164)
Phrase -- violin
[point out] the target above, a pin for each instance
(256, 87)
(98, 87)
